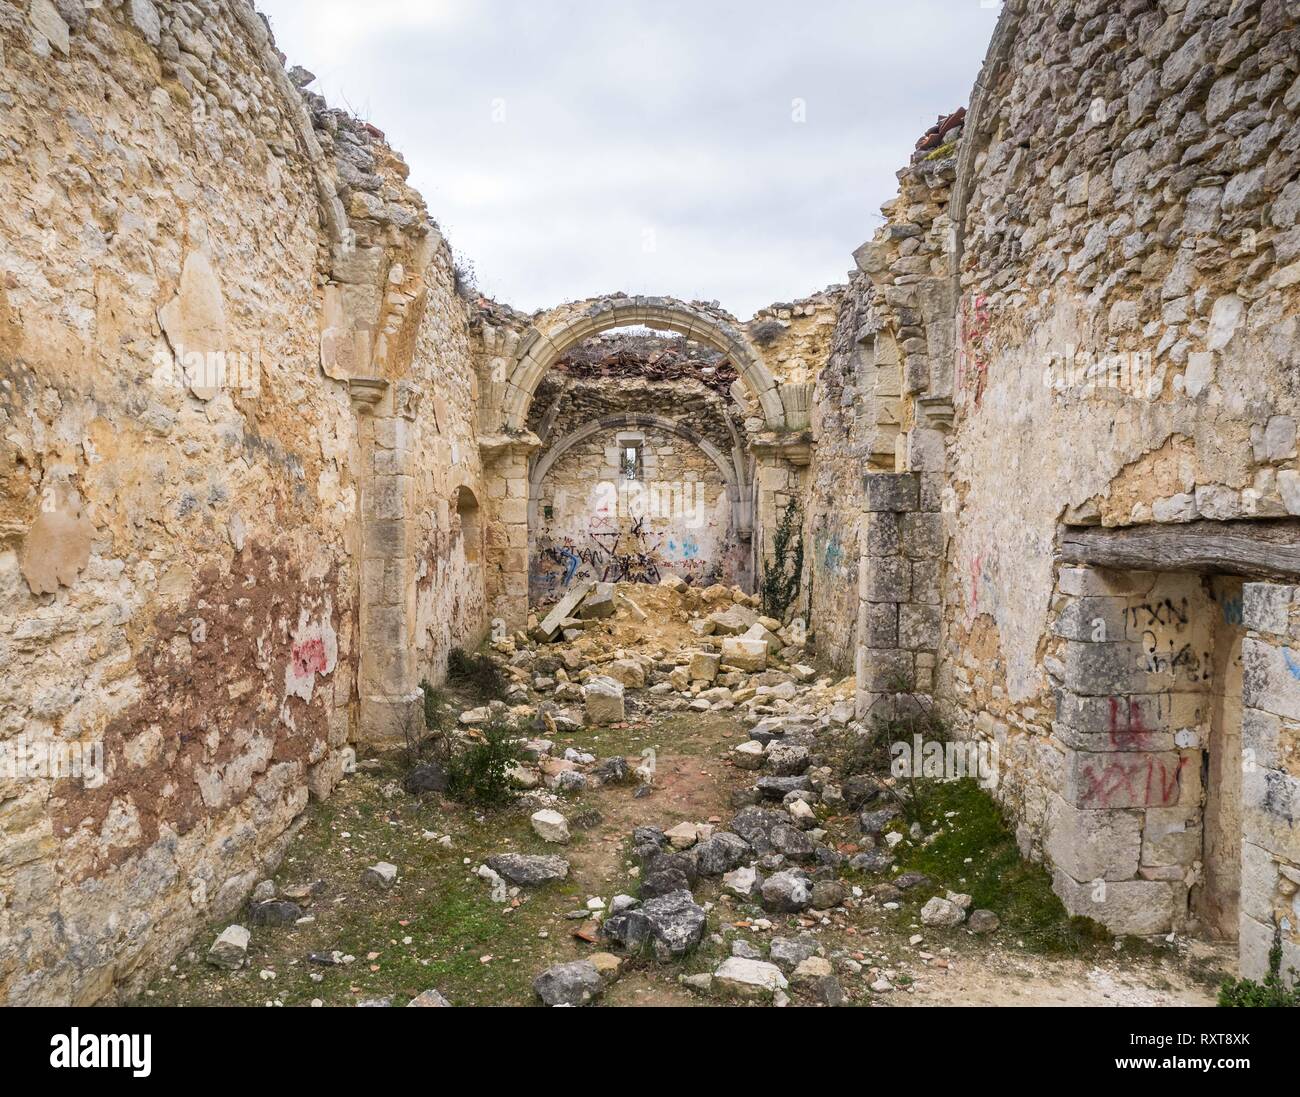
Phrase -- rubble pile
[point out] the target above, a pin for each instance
(612, 655)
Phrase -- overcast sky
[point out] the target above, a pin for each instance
(571, 148)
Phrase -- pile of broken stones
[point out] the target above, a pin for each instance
(599, 659)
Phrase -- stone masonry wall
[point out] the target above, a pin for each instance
(190, 295)
(1086, 296)
(595, 524)
(1127, 329)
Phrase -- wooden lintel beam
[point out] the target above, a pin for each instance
(1264, 549)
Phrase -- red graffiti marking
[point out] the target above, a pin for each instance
(309, 657)
(1131, 781)
(1127, 728)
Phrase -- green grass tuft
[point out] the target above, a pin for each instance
(997, 877)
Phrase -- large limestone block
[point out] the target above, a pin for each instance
(733, 621)
(758, 631)
(604, 701)
(601, 602)
(1119, 779)
(704, 666)
(626, 671)
(743, 654)
(1093, 845)
(563, 611)
(1139, 907)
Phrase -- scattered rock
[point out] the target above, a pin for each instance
(790, 952)
(668, 926)
(603, 698)
(571, 984)
(720, 853)
(230, 950)
(380, 877)
(429, 998)
(984, 921)
(550, 826)
(743, 978)
(274, 912)
(786, 893)
(683, 835)
(942, 912)
(529, 870)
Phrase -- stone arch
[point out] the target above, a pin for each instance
(558, 331)
(733, 476)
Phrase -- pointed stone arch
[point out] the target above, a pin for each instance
(733, 474)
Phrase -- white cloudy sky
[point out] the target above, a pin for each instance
(570, 148)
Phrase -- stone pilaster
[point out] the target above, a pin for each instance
(505, 471)
(1123, 830)
(1270, 852)
(899, 612)
(390, 695)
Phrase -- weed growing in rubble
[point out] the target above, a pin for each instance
(436, 714)
(477, 673)
(783, 575)
(478, 769)
(1272, 992)
(767, 333)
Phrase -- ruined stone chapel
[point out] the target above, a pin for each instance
(267, 461)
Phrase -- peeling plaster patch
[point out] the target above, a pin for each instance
(315, 651)
(57, 546)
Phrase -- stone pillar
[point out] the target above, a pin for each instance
(390, 695)
(505, 542)
(1123, 833)
(899, 615)
(1270, 851)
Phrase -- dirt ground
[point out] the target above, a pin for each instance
(437, 927)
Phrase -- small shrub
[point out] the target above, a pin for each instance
(1272, 992)
(466, 280)
(436, 717)
(767, 332)
(783, 576)
(477, 770)
(477, 673)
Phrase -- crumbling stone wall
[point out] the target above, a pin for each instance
(1127, 322)
(219, 353)
(846, 410)
(1089, 287)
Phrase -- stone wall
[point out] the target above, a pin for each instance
(237, 401)
(850, 437)
(1089, 289)
(595, 524)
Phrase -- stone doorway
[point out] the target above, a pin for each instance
(1215, 900)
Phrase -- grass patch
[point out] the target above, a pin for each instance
(997, 878)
